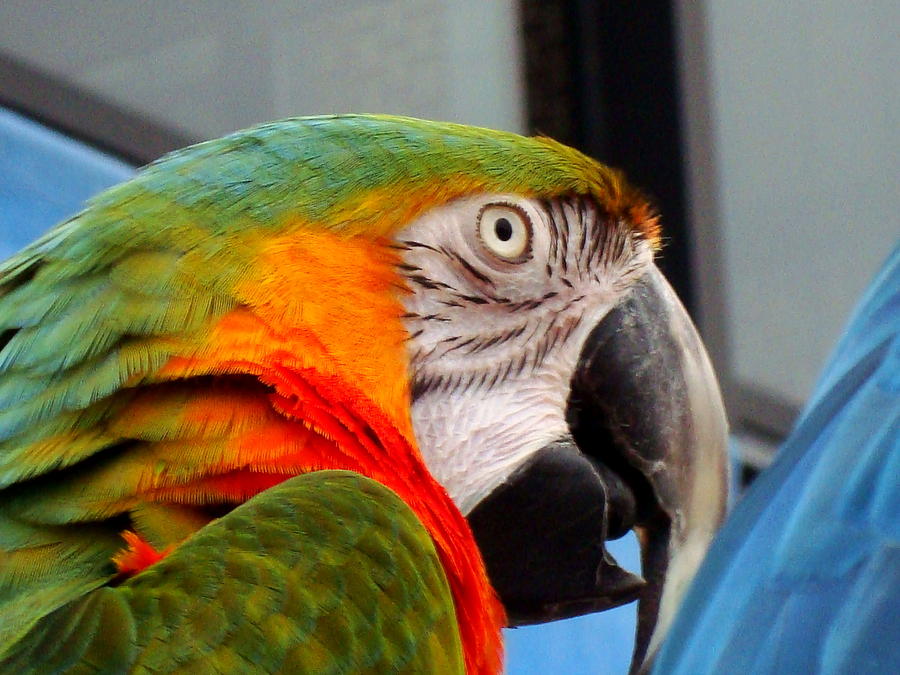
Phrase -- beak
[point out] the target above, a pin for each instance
(646, 451)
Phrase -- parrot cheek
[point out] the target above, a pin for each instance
(647, 451)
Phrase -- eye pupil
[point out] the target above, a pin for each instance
(504, 232)
(503, 229)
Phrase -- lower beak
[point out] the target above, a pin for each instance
(647, 452)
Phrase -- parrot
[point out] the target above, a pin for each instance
(344, 394)
(804, 576)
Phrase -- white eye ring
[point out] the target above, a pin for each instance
(505, 231)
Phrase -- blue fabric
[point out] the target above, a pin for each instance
(805, 575)
(45, 177)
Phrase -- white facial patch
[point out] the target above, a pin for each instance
(497, 324)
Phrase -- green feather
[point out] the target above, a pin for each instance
(326, 573)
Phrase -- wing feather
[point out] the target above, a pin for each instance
(327, 572)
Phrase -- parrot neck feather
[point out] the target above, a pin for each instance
(367, 442)
(327, 423)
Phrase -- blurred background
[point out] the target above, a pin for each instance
(766, 133)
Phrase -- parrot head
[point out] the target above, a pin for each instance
(562, 396)
(470, 317)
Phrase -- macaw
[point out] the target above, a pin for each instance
(346, 394)
(805, 574)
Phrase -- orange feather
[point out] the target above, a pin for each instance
(320, 325)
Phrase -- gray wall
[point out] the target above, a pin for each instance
(794, 136)
(208, 68)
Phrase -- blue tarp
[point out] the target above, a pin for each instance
(45, 177)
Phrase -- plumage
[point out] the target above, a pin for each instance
(280, 586)
(240, 313)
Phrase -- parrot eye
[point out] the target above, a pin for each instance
(505, 231)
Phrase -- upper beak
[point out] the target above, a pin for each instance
(647, 452)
